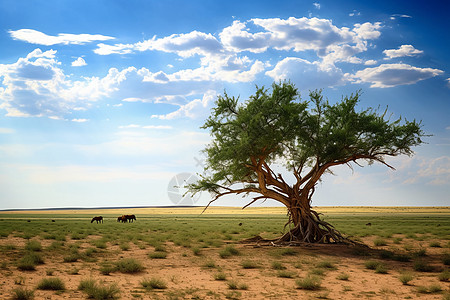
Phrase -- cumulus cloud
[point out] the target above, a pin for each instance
(79, 62)
(306, 75)
(390, 75)
(37, 37)
(193, 109)
(448, 82)
(184, 45)
(80, 120)
(403, 50)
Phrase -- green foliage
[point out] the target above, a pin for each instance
(33, 245)
(22, 294)
(129, 265)
(154, 283)
(406, 277)
(311, 282)
(99, 291)
(278, 126)
(53, 283)
(228, 251)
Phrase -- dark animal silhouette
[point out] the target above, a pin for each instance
(122, 219)
(369, 224)
(98, 219)
(129, 218)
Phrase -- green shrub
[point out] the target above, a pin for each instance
(381, 269)
(22, 294)
(71, 258)
(422, 266)
(343, 276)
(405, 278)
(285, 274)
(444, 275)
(154, 283)
(234, 285)
(446, 259)
(99, 292)
(249, 264)
(379, 242)
(326, 265)
(107, 269)
(129, 265)
(157, 255)
(33, 245)
(435, 244)
(310, 282)
(53, 283)
(371, 264)
(276, 265)
(220, 276)
(228, 251)
(30, 261)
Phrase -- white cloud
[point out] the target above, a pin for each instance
(403, 50)
(390, 75)
(306, 75)
(80, 120)
(237, 38)
(316, 5)
(395, 16)
(184, 45)
(4, 130)
(193, 109)
(448, 82)
(135, 126)
(368, 31)
(79, 62)
(36, 37)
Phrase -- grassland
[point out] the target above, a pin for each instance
(182, 254)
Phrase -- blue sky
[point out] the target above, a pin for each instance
(101, 101)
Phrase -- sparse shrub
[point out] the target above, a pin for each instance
(402, 257)
(276, 265)
(371, 264)
(422, 266)
(249, 264)
(444, 275)
(196, 251)
(71, 258)
(435, 245)
(285, 274)
(129, 265)
(288, 252)
(343, 276)
(234, 285)
(157, 255)
(381, 269)
(30, 261)
(326, 265)
(107, 269)
(310, 282)
(386, 254)
(22, 294)
(379, 242)
(124, 246)
(420, 253)
(228, 251)
(405, 278)
(220, 276)
(33, 245)
(154, 283)
(99, 292)
(53, 283)
(317, 271)
(210, 264)
(446, 259)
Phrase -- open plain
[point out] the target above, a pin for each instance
(180, 253)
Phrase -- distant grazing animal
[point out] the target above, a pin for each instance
(121, 219)
(98, 219)
(129, 218)
(240, 224)
(369, 224)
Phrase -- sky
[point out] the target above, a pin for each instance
(101, 102)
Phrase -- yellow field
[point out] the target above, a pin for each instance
(214, 210)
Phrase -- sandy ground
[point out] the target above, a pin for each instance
(188, 278)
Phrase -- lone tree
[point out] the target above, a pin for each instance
(307, 138)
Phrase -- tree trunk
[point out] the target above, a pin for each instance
(306, 226)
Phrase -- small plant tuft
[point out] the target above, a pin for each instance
(22, 294)
(129, 265)
(405, 278)
(311, 282)
(53, 283)
(154, 283)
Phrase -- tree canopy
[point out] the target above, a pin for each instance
(306, 137)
